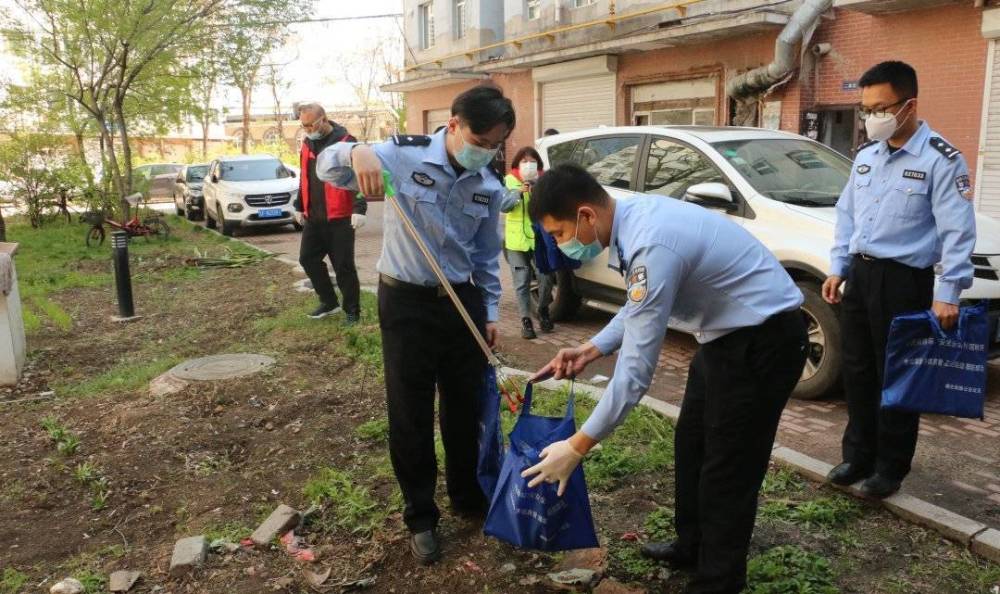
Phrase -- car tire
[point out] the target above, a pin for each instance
(210, 221)
(821, 376)
(565, 302)
(191, 215)
(227, 228)
(296, 226)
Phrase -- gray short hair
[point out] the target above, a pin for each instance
(312, 107)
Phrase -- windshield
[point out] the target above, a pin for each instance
(789, 170)
(259, 170)
(197, 173)
(164, 169)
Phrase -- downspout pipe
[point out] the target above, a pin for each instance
(762, 78)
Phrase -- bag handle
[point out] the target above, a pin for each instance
(964, 314)
(935, 324)
(570, 403)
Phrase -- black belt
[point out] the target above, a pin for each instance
(423, 290)
(889, 261)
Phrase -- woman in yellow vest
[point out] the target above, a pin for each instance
(519, 244)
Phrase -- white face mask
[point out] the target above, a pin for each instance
(883, 128)
(529, 170)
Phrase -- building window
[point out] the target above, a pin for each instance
(532, 9)
(579, 3)
(425, 25)
(459, 14)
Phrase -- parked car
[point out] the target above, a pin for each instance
(249, 191)
(156, 180)
(188, 197)
(780, 186)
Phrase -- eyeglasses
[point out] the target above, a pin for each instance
(864, 113)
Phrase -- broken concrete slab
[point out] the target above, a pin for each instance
(189, 553)
(166, 384)
(67, 586)
(573, 579)
(122, 581)
(987, 544)
(281, 520)
(947, 523)
(595, 560)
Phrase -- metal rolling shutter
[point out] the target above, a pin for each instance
(988, 179)
(435, 118)
(578, 103)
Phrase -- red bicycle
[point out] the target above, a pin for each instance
(152, 226)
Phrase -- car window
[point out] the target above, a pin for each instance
(791, 170)
(197, 173)
(672, 168)
(611, 160)
(256, 170)
(562, 153)
(164, 169)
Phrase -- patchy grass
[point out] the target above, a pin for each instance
(789, 570)
(124, 377)
(659, 524)
(780, 481)
(93, 582)
(229, 531)
(66, 443)
(376, 430)
(12, 580)
(351, 506)
(824, 512)
(626, 561)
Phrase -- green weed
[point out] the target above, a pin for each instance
(124, 377)
(12, 580)
(66, 442)
(781, 481)
(659, 524)
(93, 582)
(625, 561)
(789, 570)
(822, 512)
(374, 430)
(229, 531)
(85, 472)
(55, 313)
(32, 323)
(68, 445)
(99, 493)
(352, 507)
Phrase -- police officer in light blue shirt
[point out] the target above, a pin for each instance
(906, 208)
(708, 276)
(445, 185)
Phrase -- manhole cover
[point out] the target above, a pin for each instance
(218, 367)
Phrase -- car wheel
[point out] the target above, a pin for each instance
(180, 211)
(210, 221)
(227, 228)
(823, 362)
(296, 226)
(565, 302)
(191, 215)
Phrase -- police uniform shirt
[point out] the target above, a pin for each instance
(682, 263)
(457, 216)
(912, 205)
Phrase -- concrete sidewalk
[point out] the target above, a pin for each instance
(957, 465)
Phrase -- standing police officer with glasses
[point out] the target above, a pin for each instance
(708, 276)
(906, 207)
(445, 186)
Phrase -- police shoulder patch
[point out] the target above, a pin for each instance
(964, 187)
(943, 147)
(636, 285)
(411, 140)
(866, 145)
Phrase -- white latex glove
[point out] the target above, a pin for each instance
(558, 461)
(358, 221)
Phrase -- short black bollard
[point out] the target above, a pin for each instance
(123, 278)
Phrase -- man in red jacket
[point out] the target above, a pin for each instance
(331, 215)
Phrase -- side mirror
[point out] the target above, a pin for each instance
(291, 173)
(215, 178)
(711, 195)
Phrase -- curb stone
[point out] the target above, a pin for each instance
(984, 541)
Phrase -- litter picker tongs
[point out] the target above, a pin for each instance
(509, 389)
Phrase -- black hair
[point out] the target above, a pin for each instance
(550, 132)
(900, 76)
(483, 107)
(526, 151)
(439, 128)
(562, 190)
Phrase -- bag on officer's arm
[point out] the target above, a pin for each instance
(537, 518)
(929, 370)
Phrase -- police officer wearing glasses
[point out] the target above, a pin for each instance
(906, 208)
(446, 187)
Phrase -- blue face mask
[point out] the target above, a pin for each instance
(577, 250)
(473, 157)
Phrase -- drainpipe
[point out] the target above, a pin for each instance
(749, 84)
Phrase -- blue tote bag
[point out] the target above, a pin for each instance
(930, 370)
(537, 518)
(490, 435)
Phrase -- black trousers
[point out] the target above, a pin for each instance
(877, 291)
(333, 239)
(426, 345)
(737, 387)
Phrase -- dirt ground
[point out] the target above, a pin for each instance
(217, 457)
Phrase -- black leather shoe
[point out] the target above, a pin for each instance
(527, 329)
(668, 552)
(425, 547)
(879, 487)
(846, 474)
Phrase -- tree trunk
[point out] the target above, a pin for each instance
(3, 227)
(246, 92)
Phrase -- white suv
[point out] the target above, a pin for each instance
(782, 187)
(249, 191)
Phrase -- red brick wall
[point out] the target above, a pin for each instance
(944, 45)
(418, 103)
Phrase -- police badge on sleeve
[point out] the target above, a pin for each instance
(636, 285)
(964, 186)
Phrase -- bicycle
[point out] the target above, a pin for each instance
(148, 227)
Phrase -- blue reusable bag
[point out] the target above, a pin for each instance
(548, 257)
(490, 435)
(930, 370)
(537, 518)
